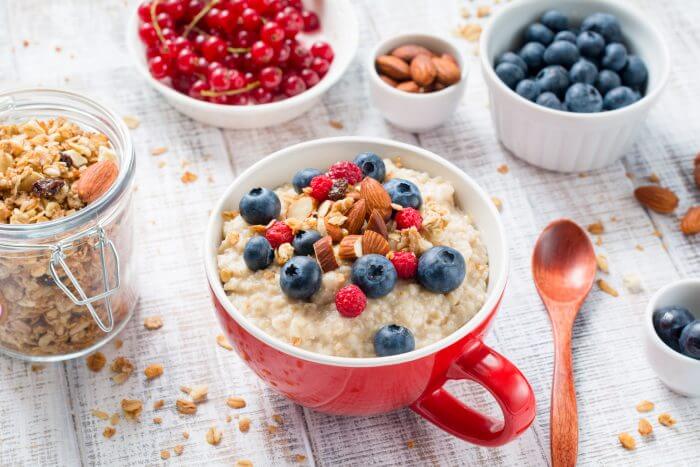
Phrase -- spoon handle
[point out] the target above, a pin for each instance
(563, 416)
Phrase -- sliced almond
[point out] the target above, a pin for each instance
(690, 224)
(657, 198)
(301, 208)
(356, 217)
(372, 242)
(377, 224)
(334, 231)
(325, 256)
(376, 197)
(347, 249)
(96, 180)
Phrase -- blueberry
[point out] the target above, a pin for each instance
(590, 43)
(583, 71)
(300, 277)
(510, 74)
(441, 269)
(528, 89)
(258, 253)
(549, 99)
(303, 242)
(635, 73)
(371, 165)
(561, 53)
(567, 36)
(532, 54)
(604, 24)
(374, 274)
(689, 341)
(510, 57)
(302, 179)
(669, 322)
(607, 80)
(583, 98)
(555, 20)
(553, 78)
(259, 206)
(619, 97)
(393, 339)
(404, 192)
(615, 57)
(538, 32)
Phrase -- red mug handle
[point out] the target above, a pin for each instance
(502, 379)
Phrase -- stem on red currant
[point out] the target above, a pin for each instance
(232, 92)
(199, 16)
(155, 24)
(238, 50)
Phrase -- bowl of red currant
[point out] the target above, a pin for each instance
(242, 63)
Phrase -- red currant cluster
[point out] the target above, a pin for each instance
(234, 52)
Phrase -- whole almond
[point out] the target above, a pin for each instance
(356, 217)
(325, 256)
(372, 242)
(408, 86)
(410, 51)
(348, 248)
(423, 70)
(657, 198)
(376, 197)
(448, 71)
(690, 224)
(377, 224)
(696, 170)
(388, 81)
(450, 58)
(393, 67)
(96, 180)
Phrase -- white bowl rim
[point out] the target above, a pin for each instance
(492, 301)
(245, 110)
(649, 322)
(450, 44)
(647, 99)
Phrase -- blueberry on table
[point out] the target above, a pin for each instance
(511, 57)
(604, 24)
(583, 98)
(528, 89)
(567, 36)
(615, 57)
(590, 43)
(538, 32)
(302, 179)
(259, 206)
(303, 242)
(607, 80)
(374, 274)
(393, 339)
(532, 54)
(690, 340)
(553, 78)
(258, 253)
(619, 97)
(549, 99)
(669, 322)
(583, 71)
(441, 269)
(555, 20)
(510, 74)
(300, 277)
(635, 73)
(404, 192)
(561, 53)
(371, 165)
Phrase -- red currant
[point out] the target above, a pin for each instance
(261, 53)
(221, 99)
(270, 77)
(272, 33)
(197, 88)
(185, 61)
(238, 99)
(236, 7)
(322, 50)
(193, 8)
(226, 21)
(176, 45)
(219, 79)
(168, 33)
(183, 82)
(164, 20)
(199, 41)
(300, 56)
(293, 85)
(243, 39)
(320, 66)
(175, 8)
(311, 21)
(201, 65)
(237, 80)
(291, 21)
(282, 54)
(210, 19)
(144, 12)
(310, 77)
(214, 48)
(148, 34)
(250, 19)
(296, 4)
(261, 6)
(262, 96)
(158, 67)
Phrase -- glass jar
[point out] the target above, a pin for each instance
(67, 286)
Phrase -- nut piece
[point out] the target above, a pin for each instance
(690, 224)
(214, 436)
(447, 70)
(356, 217)
(301, 208)
(644, 427)
(408, 86)
(607, 288)
(666, 419)
(348, 247)
(132, 408)
(96, 361)
(199, 393)
(409, 51)
(235, 402)
(696, 170)
(325, 256)
(377, 224)
(185, 407)
(376, 197)
(153, 322)
(372, 242)
(657, 198)
(96, 180)
(423, 70)
(153, 370)
(645, 406)
(627, 441)
(244, 424)
(393, 67)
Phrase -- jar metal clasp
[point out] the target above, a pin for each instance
(105, 246)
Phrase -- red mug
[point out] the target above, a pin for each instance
(367, 386)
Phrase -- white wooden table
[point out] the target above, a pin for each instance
(45, 416)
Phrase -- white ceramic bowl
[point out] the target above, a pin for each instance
(567, 141)
(679, 372)
(339, 28)
(412, 111)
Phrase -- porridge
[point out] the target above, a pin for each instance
(368, 259)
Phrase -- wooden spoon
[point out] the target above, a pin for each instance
(563, 266)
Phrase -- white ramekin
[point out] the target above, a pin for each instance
(567, 141)
(679, 372)
(339, 28)
(412, 111)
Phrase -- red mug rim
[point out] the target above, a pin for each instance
(497, 277)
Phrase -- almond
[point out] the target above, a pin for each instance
(334, 231)
(447, 70)
(408, 86)
(356, 217)
(696, 170)
(377, 224)
(450, 58)
(323, 249)
(690, 224)
(410, 51)
(376, 197)
(657, 198)
(301, 208)
(96, 180)
(348, 247)
(423, 70)
(372, 242)
(393, 67)
(388, 81)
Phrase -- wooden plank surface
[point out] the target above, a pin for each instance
(47, 414)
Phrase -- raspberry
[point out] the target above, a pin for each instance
(405, 263)
(320, 186)
(279, 233)
(350, 301)
(408, 217)
(347, 171)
